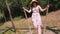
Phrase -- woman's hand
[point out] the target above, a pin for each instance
(47, 6)
(47, 9)
(23, 8)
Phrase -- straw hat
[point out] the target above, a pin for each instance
(33, 1)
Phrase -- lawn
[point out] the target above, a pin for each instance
(52, 22)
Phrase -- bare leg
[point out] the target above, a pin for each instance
(35, 29)
(39, 29)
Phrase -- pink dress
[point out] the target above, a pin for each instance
(36, 18)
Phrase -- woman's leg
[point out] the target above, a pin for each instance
(39, 29)
(36, 30)
(39, 22)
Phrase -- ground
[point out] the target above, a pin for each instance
(51, 21)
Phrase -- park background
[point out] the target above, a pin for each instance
(19, 20)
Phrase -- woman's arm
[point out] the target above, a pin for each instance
(42, 9)
(27, 10)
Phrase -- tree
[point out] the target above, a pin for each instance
(10, 16)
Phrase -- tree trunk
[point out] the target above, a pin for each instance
(10, 16)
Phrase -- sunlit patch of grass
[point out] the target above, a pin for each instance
(1, 15)
(17, 18)
(9, 32)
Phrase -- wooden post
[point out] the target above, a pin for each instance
(10, 16)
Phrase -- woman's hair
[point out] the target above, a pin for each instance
(33, 3)
(31, 6)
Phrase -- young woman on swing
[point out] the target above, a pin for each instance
(36, 18)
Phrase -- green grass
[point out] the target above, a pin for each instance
(1, 15)
(17, 18)
(9, 32)
(21, 23)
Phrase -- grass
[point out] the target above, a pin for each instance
(9, 32)
(1, 15)
(17, 18)
(21, 24)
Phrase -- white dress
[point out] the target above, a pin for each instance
(36, 18)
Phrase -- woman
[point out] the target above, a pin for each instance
(36, 18)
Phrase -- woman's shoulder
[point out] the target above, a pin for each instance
(38, 6)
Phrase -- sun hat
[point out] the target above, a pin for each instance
(33, 1)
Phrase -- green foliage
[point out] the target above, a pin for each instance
(16, 6)
(54, 4)
(43, 3)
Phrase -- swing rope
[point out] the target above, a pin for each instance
(27, 19)
(46, 18)
(47, 9)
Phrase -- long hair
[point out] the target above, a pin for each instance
(31, 5)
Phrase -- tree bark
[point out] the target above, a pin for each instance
(10, 16)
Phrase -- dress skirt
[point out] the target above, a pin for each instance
(36, 19)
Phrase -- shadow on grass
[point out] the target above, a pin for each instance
(12, 30)
(2, 21)
(53, 29)
(7, 29)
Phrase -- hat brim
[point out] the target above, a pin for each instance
(33, 1)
